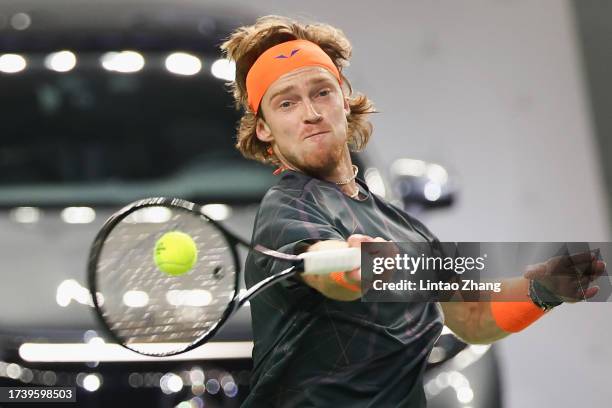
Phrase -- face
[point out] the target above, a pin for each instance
(305, 120)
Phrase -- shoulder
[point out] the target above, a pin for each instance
(415, 223)
(294, 187)
(294, 197)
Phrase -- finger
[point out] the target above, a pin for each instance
(355, 240)
(354, 275)
(594, 271)
(590, 292)
(359, 237)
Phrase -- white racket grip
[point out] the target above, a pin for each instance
(331, 260)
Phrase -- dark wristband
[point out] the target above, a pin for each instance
(542, 297)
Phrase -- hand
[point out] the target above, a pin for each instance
(329, 286)
(569, 277)
(354, 241)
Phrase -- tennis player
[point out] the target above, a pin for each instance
(316, 343)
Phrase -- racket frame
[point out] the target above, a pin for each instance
(234, 304)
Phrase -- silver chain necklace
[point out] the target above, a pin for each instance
(348, 180)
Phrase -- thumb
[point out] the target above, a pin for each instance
(354, 275)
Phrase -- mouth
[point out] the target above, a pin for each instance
(316, 134)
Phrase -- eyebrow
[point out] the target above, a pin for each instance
(290, 88)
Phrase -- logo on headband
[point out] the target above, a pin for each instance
(292, 54)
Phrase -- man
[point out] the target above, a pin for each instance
(316, 344)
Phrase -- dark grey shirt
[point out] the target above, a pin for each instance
(312, 351)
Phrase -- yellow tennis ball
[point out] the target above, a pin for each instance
(175, 253)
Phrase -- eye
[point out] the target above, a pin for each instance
(285, 104)
(324, 92)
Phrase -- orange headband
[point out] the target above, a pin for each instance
(280, 59)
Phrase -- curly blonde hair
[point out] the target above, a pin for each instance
(247, 43)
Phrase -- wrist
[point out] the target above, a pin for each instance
(542, 296)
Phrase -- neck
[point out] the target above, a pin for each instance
(343, 170)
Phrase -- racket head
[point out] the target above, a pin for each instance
(149, 311)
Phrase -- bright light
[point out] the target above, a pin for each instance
(457, 380)
(26, 375)
(96, 341)
(431, 388)
(437, 173)
(91, 382)
(195, 297)
(409, 167)
(217, 212)
(196, 376)
(61, 61)
(152, 215)
(374, 181)
(212, 386)
(25, 215)
(432, 191)
(124, 61)
(181, 63)
(469, 356)
(12, 63)
(230, 389)
(442, 380)
(175, 383)
(70, 290)
(13, 371)
(196, 402)
(465, 395)
(79, 352)
(135, 298)
(89, 334)
(78, 215)
(224, 69)
(170, 383)
(229, 386)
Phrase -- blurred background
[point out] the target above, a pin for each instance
(493, 127)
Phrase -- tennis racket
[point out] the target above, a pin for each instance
(156, 314)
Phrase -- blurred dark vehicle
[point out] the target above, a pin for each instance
(105, 103)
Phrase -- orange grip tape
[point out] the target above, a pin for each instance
(340, 279)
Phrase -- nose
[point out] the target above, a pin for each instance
(311, 115)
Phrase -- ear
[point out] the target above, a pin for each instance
(263, 131)
(347, 107)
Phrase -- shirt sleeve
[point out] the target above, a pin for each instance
(289, 224)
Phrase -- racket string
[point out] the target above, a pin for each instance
(126, 270)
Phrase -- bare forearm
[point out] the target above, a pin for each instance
(474, 321)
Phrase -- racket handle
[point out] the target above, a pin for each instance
(333, 260)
